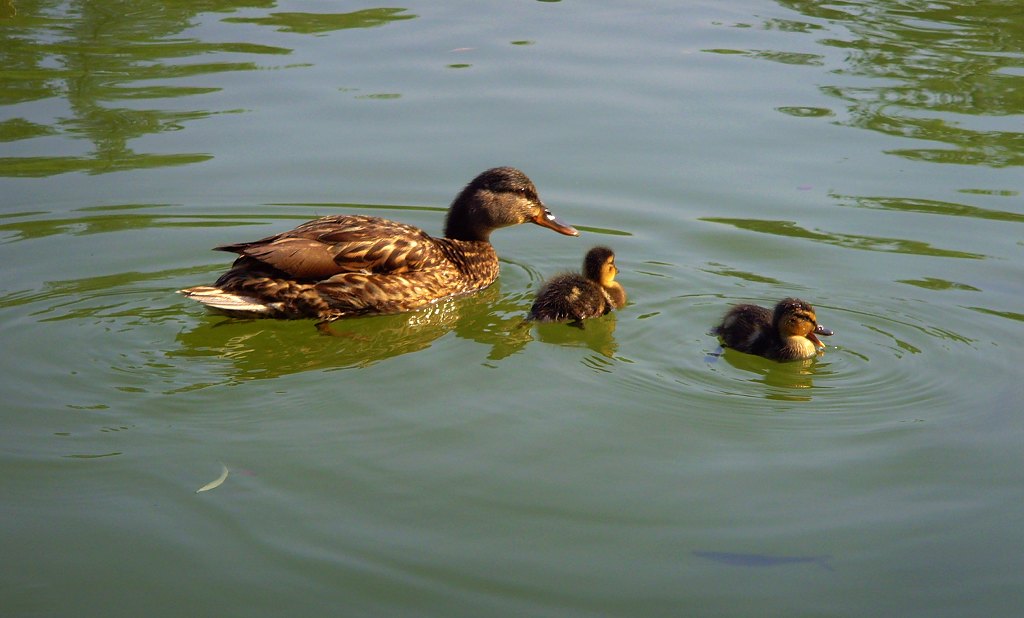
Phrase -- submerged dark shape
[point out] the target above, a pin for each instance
(575, 296)
(762, 560)
(789, 332)
(352, 265)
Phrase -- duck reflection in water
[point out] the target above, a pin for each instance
(599, 335)
(792, 381)
(282, 347)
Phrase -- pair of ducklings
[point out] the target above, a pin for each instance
(789, 332)
(343, 266)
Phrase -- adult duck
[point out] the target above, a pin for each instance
(789, 332)
(576, 297)
(352, 265)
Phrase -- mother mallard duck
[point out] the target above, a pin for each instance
(352, 265)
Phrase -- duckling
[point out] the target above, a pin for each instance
(787, 333)
(353, 265)
(571, 296)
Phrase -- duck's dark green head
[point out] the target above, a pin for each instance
(499, 197)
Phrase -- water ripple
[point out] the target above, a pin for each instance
(888, 360)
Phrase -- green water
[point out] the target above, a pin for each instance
(864, 156)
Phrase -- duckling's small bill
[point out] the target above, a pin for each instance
(818, 330)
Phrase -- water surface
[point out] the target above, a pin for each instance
(864, 156)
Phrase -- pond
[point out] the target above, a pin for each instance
(458, 460)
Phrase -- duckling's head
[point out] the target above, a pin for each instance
(796, 318)
(499, 197)
(599, 266)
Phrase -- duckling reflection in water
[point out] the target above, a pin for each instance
(576, 297)
(787, 333)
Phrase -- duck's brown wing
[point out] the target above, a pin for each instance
(339, 244)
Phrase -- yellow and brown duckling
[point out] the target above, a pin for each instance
(352, 265)
(790, 332)
(575, 297)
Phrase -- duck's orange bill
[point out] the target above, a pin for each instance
(550, 221)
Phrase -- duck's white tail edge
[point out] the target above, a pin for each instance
(225, 301)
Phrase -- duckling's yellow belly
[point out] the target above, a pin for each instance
(798, 347)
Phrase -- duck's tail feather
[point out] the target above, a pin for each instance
(226, 301)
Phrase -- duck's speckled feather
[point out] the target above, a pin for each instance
(359, 275)
(344, 243)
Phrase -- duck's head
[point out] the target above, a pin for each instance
(795, 318)
(599, 265)
(499, 197)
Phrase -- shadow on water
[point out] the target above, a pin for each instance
(762, 560)
(105, 59)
